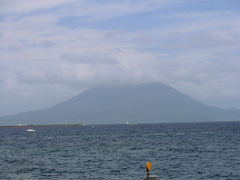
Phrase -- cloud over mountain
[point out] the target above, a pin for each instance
(55, 49)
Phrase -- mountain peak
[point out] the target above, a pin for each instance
(142, 103)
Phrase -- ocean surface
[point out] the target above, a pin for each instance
(183, 151)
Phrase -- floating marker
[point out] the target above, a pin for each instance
(149, 165)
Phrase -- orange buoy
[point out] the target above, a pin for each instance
(149, 165)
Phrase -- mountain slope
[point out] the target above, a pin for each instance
(145, 103)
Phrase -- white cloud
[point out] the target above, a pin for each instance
(93, 10)
(100, 10)
(27, 6)
(41, 59)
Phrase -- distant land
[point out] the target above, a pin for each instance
(40, 125)
(144, 103)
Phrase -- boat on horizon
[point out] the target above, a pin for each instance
(129, 123)
(30, 130)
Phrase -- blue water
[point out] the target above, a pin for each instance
(185, 151)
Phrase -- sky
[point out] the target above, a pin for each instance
(52, 50)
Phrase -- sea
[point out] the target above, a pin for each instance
(178, 151)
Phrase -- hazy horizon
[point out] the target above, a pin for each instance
(109, 86)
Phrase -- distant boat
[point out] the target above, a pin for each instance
(30, 130)
(129, 123)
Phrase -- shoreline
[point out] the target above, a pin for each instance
(40, 125)
(83, 124)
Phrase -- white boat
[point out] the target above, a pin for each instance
(129, 123)
(30, 130)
